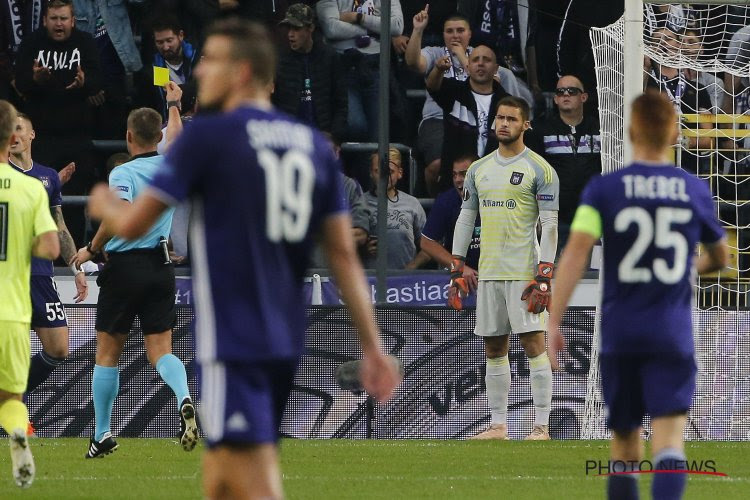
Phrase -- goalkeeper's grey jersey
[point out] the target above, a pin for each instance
(509, 193)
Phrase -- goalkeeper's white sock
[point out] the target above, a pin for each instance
(497, 381)
(541, 388)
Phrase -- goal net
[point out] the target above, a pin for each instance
(699, 56)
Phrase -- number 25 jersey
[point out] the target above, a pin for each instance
(651, 218)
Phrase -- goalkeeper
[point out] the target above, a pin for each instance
(513, 188)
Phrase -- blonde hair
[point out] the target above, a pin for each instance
(394, 155)
(8, 120)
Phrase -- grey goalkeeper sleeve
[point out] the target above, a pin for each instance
(464, 231)
(548, 243)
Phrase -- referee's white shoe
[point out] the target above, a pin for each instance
(23, 461)
(188, 426)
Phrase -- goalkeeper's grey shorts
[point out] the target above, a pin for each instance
(501, 311)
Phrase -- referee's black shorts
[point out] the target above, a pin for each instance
(136, 283)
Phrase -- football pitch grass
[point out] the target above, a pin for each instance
(159, 469)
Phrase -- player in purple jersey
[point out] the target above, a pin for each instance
(261, 185)
(48, 315)
(651, 216)
(437, 234)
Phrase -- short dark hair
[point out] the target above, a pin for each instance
(115, 160)
(145, 125)
(25, 117)
(166, 22)
(251, 42)
(471, 157)
(56, 4)
(515, 102)
(457, 17)
(8, 118)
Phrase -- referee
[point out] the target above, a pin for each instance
(138, 279)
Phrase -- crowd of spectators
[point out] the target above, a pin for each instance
(77, 67)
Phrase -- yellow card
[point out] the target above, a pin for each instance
(161, 76)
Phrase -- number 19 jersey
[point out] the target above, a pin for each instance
(260, 184)
(651, 218)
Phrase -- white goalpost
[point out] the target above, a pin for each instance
(699, 55)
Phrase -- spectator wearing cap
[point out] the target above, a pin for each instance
(353, 29)
(309, 80)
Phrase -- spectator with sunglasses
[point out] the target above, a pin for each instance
(570, 141)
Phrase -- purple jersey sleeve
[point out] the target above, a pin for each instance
(441, 215)
(181, 168)
(590, 194)
(333, 200)
(711, 229)
(55, 192)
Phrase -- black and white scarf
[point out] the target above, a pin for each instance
(22, 17)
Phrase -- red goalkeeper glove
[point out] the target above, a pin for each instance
(459, 288)
(539, 290)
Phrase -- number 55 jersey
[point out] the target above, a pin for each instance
(651, 218)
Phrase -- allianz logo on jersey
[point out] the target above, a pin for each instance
(509, 204)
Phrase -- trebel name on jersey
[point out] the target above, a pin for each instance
(655, 187)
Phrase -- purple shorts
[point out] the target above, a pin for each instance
(242, 403)
(656, 384)
(47, 309)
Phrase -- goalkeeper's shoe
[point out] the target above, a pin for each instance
(21, 458)
(538, 433)
(538, 292)
(494, 431)
(188, 426)
(105, 446)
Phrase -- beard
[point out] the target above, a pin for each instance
(508, 139)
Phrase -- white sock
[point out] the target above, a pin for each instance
(497, 381)
(541, 388)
